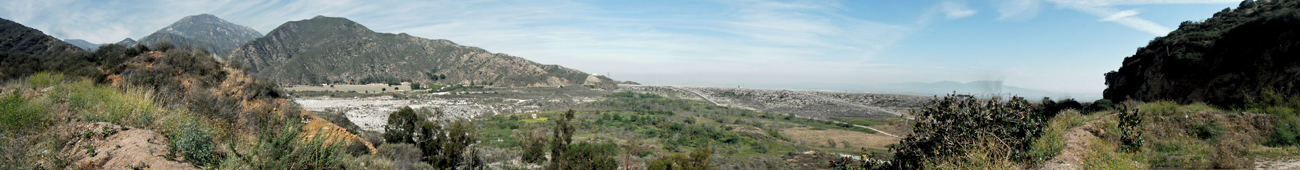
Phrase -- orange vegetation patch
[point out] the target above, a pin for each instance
(856, 139)
(332, 133)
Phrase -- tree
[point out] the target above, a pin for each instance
(562, 135)
(401, 126)
(415, 86)
(533, 146)
(442, 76)
(459, 137)
(383, 89)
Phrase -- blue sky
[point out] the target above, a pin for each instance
(1063, 46)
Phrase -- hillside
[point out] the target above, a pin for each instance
(204, 30)
(19, 39)
(328, 49)
(1222, 61)
(141, 108)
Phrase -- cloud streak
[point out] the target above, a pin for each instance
(954, 10)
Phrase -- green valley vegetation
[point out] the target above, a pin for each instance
(642, 130)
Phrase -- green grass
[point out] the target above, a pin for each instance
(1104, 155)
(539, 119)
(17, 114)
(1053, 140)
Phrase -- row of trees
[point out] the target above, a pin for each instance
(443, 145)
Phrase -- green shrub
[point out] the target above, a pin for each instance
(1130, 127)
(697, 160)
(194, 143)
(16, 113)
(44, 79)
(1286, 130)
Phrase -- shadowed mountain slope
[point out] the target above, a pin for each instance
(338, 50)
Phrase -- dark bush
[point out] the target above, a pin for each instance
(1100, 105)
(401, 126)
(947, 127)
(163, 46)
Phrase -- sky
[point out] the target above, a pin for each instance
(1061, 46)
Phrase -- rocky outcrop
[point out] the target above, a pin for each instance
(328, 49)
(1224, 60)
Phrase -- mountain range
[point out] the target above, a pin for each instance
(83, 44)
(337, 50)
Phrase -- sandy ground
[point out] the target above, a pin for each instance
(1278, 163)
(371, 113)
(360, 88)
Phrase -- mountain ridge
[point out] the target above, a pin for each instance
(337, 50)
(204, 30)
(21, 39)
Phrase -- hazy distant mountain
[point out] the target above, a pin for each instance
(1227, 59)
(940, 88)
(127, 42)
(329, 49)
(18, 39)
(83, 44)
(204, 30)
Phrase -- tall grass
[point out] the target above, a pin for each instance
(1103, 154)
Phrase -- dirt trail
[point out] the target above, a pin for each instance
(1077, 141)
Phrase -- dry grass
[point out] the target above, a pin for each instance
(855, 138)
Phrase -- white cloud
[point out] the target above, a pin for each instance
(1109, 13)
(955, 10)
(1016, 9)
(1120, 15)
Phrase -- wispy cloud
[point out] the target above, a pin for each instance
(1016, 9)
(955, 10)
(1107, 9)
